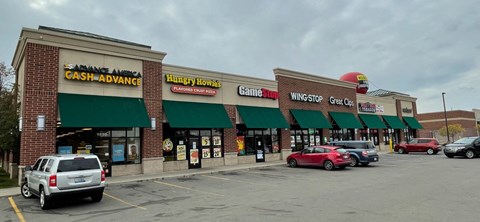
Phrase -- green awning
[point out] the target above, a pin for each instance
(346, 120)
(262, 117)
(372, 121)
(196, 115)
(101, 111)
(310, 119)
(394, 122)
(412, 122)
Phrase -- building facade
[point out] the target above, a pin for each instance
(433, 121)
(84, 93)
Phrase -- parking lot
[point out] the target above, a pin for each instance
(413, 187)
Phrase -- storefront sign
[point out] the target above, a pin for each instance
(194, 156)
(367, 107)
(261, 93)
(407, 110)
(241, 145)
(103, 75)
(341, 102)
(118, 153)
(187, 81)
(380, 109)
(303, 97)
(193, 90)
(167, 145)
(181, 152)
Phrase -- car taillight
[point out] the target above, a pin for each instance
(365, 153)
(103, 175)
(52, 182)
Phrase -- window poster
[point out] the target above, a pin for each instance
(194, 156)
(217, 141)
(292, 141)
(181, 152)
(206, 153)
(217, 152)
(132, 151)
(118, 153)
(65, 149)
(240, 145)
(312, 141)
(205, 141)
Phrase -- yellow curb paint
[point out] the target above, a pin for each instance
(186, 188)
(17, 211)
(125, 202)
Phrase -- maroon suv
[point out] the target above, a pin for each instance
(429, 145)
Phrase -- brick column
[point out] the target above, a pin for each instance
(230, 137)
(40, 98)
(152, 140)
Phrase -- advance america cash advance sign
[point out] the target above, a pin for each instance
(102, 75)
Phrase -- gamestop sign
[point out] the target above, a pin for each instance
(260, 93)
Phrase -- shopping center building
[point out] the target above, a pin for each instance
(84, 93)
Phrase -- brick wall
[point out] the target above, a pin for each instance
(432, 122)
(152, 93)
(287, 85)
(230, 134)
(40, 98)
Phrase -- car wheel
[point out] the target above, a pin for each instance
(354, 161)
(401, 151)
(292, 163)
(44, 201)
(97, 197)
(449, 155)
(430, 151)
(25, 190)
(328, 165)
(470, 154)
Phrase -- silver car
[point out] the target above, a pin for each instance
(64, 175)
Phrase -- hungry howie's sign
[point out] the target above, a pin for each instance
(102, 75)
(194, 86)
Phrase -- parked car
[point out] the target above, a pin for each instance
(64, 175)
(361, 152)
(429, 145)
(329, 157)
(467, 146)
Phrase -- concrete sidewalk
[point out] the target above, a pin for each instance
(149, 177)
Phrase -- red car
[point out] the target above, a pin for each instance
(429, 145)
(329, 157)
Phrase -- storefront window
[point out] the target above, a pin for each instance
(304, 138)
(250, 141)
(176, 144)
(371, 135)
(112, 146)
(341, 134)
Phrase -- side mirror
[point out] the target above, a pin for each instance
(28, 168)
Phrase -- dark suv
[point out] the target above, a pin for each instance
(467, 146)
(361, 152)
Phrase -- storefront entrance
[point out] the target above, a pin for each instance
(259, 149)
(194, 150)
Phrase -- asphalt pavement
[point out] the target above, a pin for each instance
(5, 192)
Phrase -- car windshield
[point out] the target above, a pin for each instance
(78, 164)
(341, 150)
(465, 140)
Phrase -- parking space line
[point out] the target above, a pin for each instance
(240, 181)
(17, 211)
(186, 188)
(125, 202)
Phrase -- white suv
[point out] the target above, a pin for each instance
(64, 174)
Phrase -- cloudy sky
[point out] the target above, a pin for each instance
(421, 48)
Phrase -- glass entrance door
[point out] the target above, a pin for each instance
(193, 150)
(259, 149)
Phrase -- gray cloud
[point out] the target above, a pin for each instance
(417, 47)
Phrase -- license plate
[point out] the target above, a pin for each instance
(79, 180)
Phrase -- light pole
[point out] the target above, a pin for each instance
(445, 112)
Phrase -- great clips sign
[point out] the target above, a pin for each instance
(260, 93)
